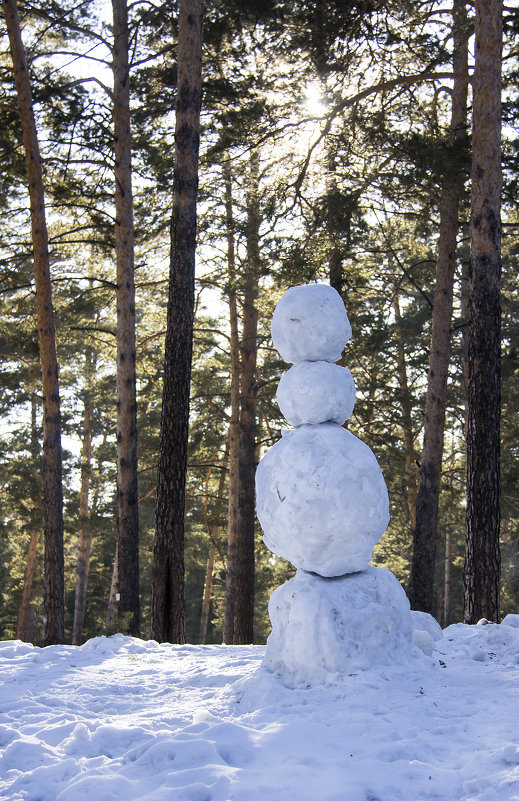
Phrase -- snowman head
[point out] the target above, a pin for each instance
(310, 324)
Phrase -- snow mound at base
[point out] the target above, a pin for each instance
(325, 626)
(490, 643)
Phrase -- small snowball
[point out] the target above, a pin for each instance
(423, 640)
(324, 626)
(316, 392)
(310, 324)
(423, 621)
(321, 500)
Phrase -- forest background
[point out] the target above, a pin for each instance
(326, 146)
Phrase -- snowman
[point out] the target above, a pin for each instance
(322, 503)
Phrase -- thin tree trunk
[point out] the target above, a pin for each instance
(113, 598)
(482, 554)
(234, 424)
(208, 584)
(244, 608)
(168, 601)
(407, 425)
(421, 582)
(447, 578)
(52, 472)
(25, 625)
(127, 490)
(23, 615)
(85, 532)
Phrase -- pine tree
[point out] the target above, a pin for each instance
(168, 602)
(421, 584)
(127, 490)
(482, 557)
(52, 467)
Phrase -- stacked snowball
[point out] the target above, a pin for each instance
(322, 503)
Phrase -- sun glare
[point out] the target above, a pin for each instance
(314, 101)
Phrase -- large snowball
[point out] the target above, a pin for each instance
(328, 626)
(310, 324)
(321, 499)
(316, 392)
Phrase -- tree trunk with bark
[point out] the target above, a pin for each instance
(52, 470)
(244, 608)
(25, 624)
(407, 424)
(234, 423)
(206, 600)
(213, 536)
(113, 598)
(126, 395)
(423, 565)
(85, 532)
(482, 554)
(168, 601)
(24, 613)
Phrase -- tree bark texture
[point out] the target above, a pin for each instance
(168, 602)
(85, 532)
(206, 600)
(244, 608)
(482, 554)
(423, 564)
(126, 396)
(213, 536)
(114, 592)
(24, 613)
(234, 424)
(52, 470)
(407, 423)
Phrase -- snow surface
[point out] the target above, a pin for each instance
(316, 392)
(120, 719)
(321, 499)
(310, 324)
(322, 626)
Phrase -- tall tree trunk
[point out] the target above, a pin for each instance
(23, 615)
(234, 423)
(421, 582)
(127, 490)
(447, 578)
(25, 624)
(482, 554)
(168, 601)
(213, 534)
(407, 425)
(206, 600)
(85, 532)
(113, 598)
(52, 473)
(244, 607)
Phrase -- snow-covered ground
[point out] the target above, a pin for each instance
(120, 718)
